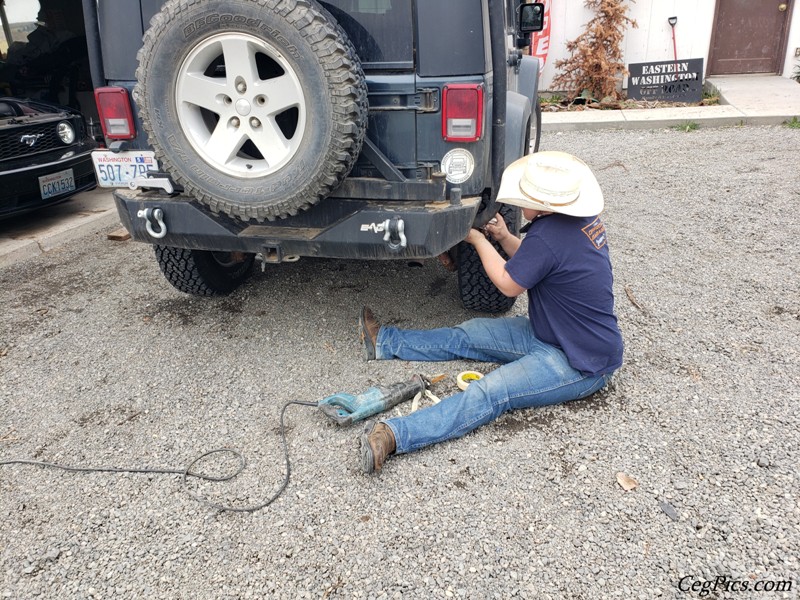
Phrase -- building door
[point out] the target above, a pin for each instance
(749, 36)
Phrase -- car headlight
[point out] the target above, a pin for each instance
(66, 132)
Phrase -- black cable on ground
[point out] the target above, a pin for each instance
(187, 472)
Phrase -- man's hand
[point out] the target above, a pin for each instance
(498, 229)
(475, 236)
(499, 232)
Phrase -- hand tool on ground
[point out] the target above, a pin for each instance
(345, 409)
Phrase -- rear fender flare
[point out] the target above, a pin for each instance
(518, 114)
(528, 80)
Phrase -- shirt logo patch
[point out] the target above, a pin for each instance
(596, 232)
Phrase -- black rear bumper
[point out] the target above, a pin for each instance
(335, 228)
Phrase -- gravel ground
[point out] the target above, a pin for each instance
(101, 362)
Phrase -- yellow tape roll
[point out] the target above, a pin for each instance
(466, 377)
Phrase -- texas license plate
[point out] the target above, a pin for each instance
(118, 169)
(56, 184)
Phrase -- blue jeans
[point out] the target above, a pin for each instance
(532, 374)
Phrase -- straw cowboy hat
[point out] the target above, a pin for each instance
(553, 182)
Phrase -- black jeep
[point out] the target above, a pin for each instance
(271, 129)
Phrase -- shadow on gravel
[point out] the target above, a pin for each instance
(546, 417)
(518, 421)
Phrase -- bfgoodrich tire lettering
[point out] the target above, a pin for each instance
(476, 289)
(202, 272)
(257, 107)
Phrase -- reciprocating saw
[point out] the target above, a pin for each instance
(345, 409)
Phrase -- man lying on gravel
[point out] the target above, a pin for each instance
(567, 348)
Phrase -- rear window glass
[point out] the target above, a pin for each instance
(381, 30)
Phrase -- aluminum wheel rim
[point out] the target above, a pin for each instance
(250, 122)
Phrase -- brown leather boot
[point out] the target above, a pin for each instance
(377, 443)
(369, 327)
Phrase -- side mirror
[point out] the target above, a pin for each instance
(531, 17)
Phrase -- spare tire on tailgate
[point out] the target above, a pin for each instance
(258, 108)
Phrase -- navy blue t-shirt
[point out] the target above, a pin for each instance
(563, 262)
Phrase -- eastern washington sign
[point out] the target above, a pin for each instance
(673, 81)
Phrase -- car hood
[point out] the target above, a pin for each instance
(14, 111)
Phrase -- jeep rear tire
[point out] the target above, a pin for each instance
(202, 272)
(257, 108)
(477, 291)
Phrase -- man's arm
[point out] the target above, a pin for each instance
(494, 264)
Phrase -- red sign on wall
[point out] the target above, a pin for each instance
(540, 40)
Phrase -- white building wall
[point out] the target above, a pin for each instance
(652, 40)
(794, 42)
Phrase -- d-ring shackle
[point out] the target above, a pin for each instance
(395, 235)
(150, 214)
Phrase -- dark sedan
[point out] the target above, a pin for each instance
(45, 155)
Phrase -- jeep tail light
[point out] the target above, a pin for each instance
(116, 116)
(462, 112)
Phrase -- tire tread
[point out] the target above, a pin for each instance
(477, 291)
(192, 271)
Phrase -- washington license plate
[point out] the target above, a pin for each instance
(118, 169)
(56, 184)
